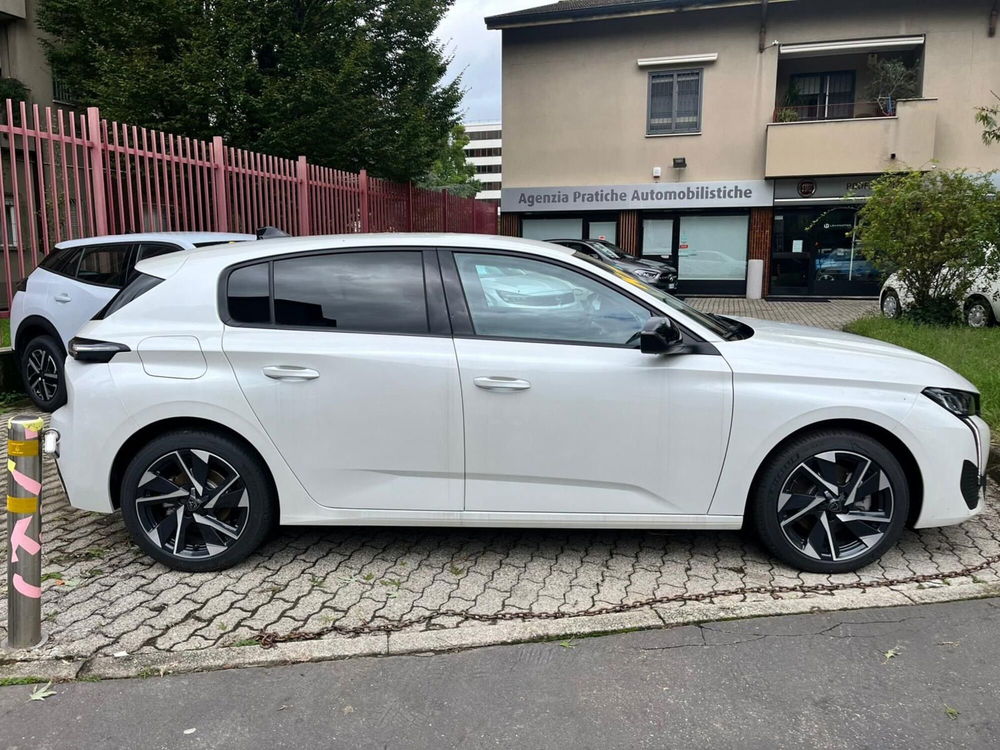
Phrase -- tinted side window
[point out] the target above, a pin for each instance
(521, 298)
(365, 291)
(248, 294)
(153, 249)
(104, 264)
(62, 261)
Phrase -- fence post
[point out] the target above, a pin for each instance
(96, 148)
(409, 207)
(363, 186)
(24, 526)
(444, 210)
(305, 210)
(220, 184)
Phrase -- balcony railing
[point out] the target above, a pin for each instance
(835, 111)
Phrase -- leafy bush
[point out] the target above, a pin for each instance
(11, 88)
(938, 230)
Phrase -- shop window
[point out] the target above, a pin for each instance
(713, 248)
(552, 229)
(658, 239)
(674, 102)
(603, 230)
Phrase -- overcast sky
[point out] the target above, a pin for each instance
(476, 53)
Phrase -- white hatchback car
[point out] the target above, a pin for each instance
(980, 310)
(378, 380)
(71, 284)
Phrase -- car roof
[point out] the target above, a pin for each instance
(189, 238)
(223, 255)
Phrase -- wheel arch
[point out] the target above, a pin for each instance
(896, 446)
(136, 441)
(32, 326)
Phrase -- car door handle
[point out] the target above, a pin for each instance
(63, 297)
(289, 373)
(502, 384)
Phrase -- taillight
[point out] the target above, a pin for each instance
(89, 350)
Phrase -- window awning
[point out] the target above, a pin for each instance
(851, 46)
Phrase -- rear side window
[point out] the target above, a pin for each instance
(380, 292)
(104, 264)
(248, 294)
(63, 261)
(141, 284)
(152, 249)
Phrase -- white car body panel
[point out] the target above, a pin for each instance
(684, 434)
(987, 290)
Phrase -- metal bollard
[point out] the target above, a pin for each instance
(24, 528)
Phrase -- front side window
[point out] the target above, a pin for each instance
(378, 292)
(521, 298)
(674, 102)
(104, 264)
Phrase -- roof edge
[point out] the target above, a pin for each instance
(611, 10)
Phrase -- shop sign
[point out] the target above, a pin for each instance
(823, 188)
(673, 195)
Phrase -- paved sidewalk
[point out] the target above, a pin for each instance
(834, 314)
(811, 681)
(110, 610)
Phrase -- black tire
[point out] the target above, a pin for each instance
(857, 533)
(43, 372)
(890, 305)
(179, 464)
(979, 313)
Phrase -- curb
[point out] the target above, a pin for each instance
(993, 465)
(468, 637)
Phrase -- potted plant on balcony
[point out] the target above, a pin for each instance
(891, 80)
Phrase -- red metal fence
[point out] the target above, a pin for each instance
(65, 175)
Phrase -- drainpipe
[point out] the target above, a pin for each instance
(763, 25)
(993, 18)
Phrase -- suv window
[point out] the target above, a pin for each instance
(378, 292)
(104, 264)
(63, 260)
(147, 250)
(532, 299)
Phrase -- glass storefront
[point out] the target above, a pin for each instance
(709, 251)
(814, 252)
(570, 228)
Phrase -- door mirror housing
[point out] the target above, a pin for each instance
(661, 336)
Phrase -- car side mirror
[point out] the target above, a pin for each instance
(661, 336)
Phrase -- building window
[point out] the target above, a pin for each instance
(674, 102)
(476, 152)
(822, 96)
(485, 135)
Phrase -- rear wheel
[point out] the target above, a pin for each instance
(42, 363)
(979, 313)
(831, 502)
(197, 501)
(890, 304)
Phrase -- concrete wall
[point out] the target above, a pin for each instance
(575, 100)
(22, 55)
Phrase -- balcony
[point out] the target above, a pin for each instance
(857, 138)
(12, 9)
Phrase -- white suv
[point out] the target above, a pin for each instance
(981, 308)
(69, 287)
(391, 380)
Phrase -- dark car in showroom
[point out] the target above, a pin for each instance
(653, 272)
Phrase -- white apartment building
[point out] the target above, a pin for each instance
(485, 152)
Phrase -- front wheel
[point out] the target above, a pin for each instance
(197, 501)
(42, 371)
(979, 314)
(890, 305)
(831, 502)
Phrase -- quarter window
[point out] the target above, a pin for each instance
(520, 298)
(380, 292)
(674, 102)
(248, 294)
(104, 264)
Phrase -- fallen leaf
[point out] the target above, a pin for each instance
(348, 709)
(567, 644)
(42, 692)
(892, 653)
(952, 713)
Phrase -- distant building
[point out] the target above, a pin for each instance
(485, 152)
(22, 56)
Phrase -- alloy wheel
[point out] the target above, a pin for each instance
(42, 372)
(977, 316)
(192, 504)
(835, 506)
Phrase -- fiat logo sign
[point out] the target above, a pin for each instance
(807, 188)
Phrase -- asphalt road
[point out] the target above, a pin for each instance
(913, 677)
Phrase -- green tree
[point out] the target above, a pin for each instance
(989, 118)
(349, 83)
(451, 171)
(938, 231)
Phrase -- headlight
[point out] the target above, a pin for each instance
(645, 275)
(959, 403)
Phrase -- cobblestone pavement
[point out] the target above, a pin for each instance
(103, 597)
(820, 313)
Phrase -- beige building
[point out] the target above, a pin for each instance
(713, 132)
(22, 56)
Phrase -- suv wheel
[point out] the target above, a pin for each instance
(831, 502)
(890, 304)
(197, 501)
(42, 371)
(979, 313)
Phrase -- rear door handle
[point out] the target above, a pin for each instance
(290, 374)
(63, 297)
(502, 384)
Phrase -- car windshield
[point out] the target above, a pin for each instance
(721, 326)
(608, 250)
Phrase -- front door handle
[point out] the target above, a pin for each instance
(63, 297)
(290, 374)
(502, 384)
